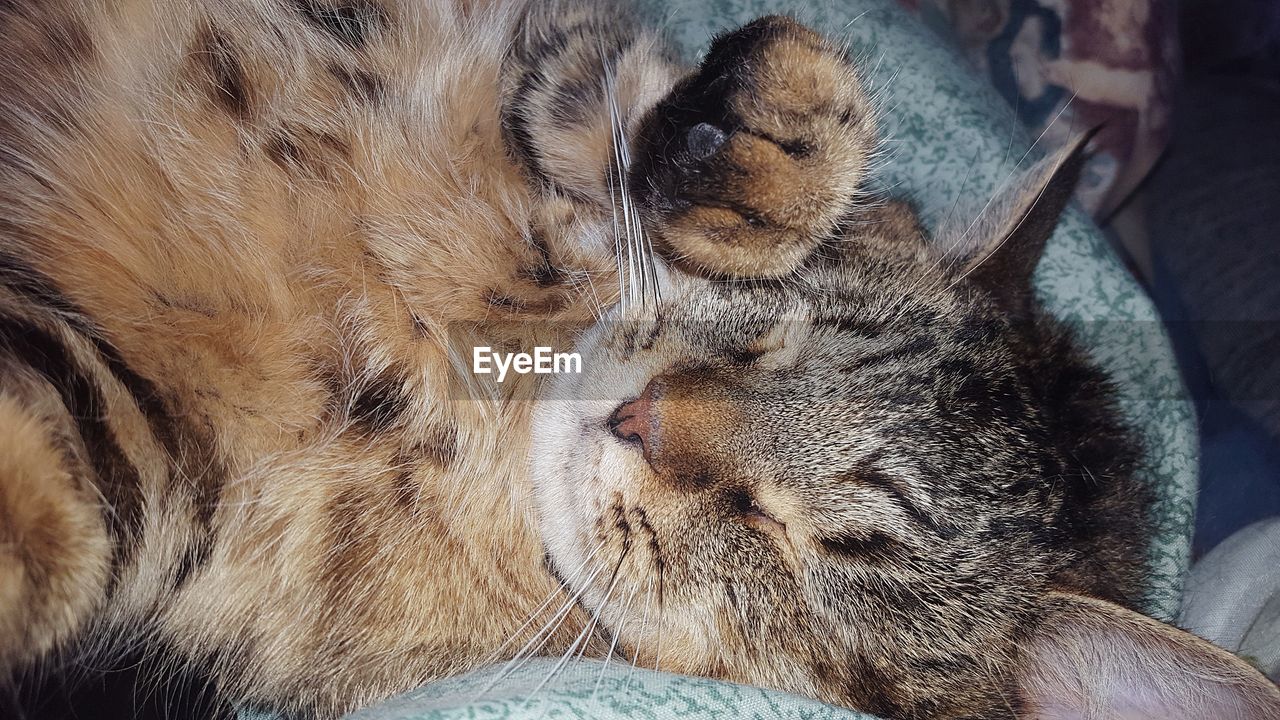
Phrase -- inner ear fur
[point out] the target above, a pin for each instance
(1091, 659)
(999, 250)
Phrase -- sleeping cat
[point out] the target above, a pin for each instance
(247, 248)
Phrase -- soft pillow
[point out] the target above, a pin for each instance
(588, 689)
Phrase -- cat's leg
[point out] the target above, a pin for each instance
(741, 167)
(580, 75)
(752, 161)
(56, 547)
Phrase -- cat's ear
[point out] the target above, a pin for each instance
(1093, 659)
(999, 250)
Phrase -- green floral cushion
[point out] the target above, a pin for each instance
(949, 137)
(590, 690)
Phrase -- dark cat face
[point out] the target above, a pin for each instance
(811, 485)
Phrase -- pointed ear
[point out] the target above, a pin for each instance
(1093, 659)
(1001, 248)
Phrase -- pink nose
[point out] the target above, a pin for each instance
(634, 421)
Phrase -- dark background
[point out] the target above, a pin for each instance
(1212, 207)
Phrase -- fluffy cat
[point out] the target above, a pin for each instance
(246, 246)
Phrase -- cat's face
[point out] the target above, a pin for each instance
(804, 486)
(851, 481)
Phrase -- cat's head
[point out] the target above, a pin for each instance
(845, 485)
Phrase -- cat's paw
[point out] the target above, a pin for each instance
(750, 161)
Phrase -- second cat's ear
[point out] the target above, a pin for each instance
(1093, 659)
(999, 250)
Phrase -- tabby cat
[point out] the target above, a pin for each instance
(246, 250)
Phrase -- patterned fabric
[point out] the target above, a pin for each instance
(951, 137)
(1075, 64)
(589, 689)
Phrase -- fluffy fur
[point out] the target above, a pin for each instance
(246, 247)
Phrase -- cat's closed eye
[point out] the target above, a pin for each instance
(745, 355)
(753, 515)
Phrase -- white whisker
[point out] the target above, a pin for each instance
(579, 645)
(614, 642)
(544, 634)
(644, 627)
(545, 604)
(616, 187)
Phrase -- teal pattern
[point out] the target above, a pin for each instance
(587, 689)
(948, 136)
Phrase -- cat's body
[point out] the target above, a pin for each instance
(263, 392)
(246, 248)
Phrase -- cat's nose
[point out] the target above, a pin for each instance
(635, 421)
